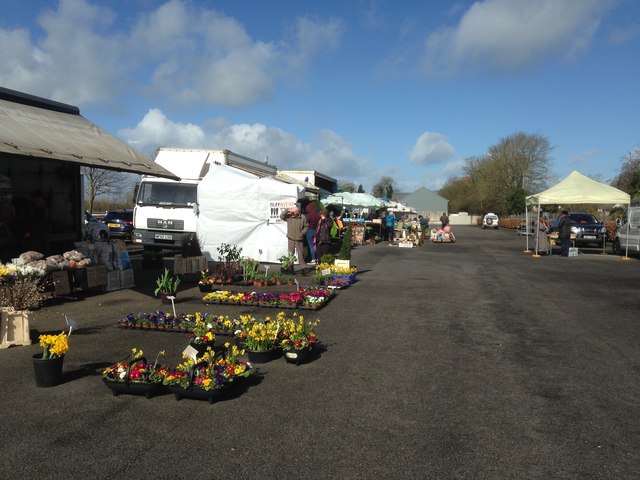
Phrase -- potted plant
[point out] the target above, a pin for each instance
(287, 262)
(207, 379)
(250, 268)
(228, 262)
(201, 338)
(48, 364)
(167, 285)
(260, 338)
(206, 282)
(299, 339)
(135, 376)
(259, 280)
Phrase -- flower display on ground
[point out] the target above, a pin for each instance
(210, 372)
(298, 333)
(202, 331)
(54, 346)
(259, 335)
(330, 267)
(310, 297)
(139, 371)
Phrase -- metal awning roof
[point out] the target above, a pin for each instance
(30, 126)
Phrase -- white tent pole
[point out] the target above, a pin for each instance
(526, 224)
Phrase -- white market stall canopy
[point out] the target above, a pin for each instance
(353, 200)
(241, 209)
(579, 189)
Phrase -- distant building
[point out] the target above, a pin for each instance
(427, 203)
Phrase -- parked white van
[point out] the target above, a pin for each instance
(628, 234)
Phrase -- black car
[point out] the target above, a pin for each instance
(585, 226)
(120, 223)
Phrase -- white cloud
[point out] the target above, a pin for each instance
(510, 34)
(431, 148)
(156, 130)
(181, 52)
(310, 38)
(74, 62)
(328, 153)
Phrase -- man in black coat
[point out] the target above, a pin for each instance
(564, 233)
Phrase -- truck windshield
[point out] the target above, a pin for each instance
(167, 194)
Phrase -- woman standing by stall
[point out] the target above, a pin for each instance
(542, 244)
(323, 234)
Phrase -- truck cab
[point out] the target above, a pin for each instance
(165, 212)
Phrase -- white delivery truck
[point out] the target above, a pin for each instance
(165, 213)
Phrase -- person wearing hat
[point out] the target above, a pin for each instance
(297, 227)
(564, 233)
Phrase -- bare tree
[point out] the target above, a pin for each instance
(629, 178)
(103, 182)
(384, 188)
(347, 187)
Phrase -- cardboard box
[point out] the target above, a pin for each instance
(14, 328)
(113, 281)
(96, 276)
(126, 278)
(179, 265)
(61, 283)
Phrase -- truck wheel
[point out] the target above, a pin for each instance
(616, 247)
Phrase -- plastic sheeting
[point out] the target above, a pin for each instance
(238, 208)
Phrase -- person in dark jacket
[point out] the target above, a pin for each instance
(564, 233)
(313, 217)
(323, 234)
(444, 219)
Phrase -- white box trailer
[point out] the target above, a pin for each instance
(165, 212)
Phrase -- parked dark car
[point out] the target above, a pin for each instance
(585, 226)
(120, 223)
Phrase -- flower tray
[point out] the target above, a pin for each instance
(263, 356)
(154, 329)
(131, 388)
(298, 356)
(268, 305)
(196, 393)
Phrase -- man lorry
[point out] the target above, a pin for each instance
(165, 213)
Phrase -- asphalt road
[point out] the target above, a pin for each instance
(470, 360)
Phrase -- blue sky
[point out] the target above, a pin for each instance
(357, 90)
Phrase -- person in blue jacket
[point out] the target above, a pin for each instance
(390, 224)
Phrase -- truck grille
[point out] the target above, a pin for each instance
(165, 224)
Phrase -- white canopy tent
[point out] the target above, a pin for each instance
(576, 189)
(239, 208)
